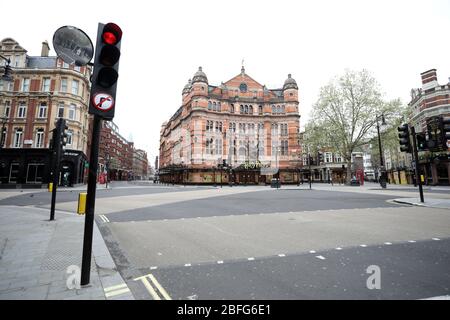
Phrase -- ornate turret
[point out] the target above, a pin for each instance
(290, 83)
(187, 87)
(199, 76)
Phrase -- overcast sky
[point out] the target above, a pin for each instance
(164, 43)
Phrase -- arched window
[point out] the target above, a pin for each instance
(278, 109)
(246, 109)
(283, 109)
(274, 109)
(214, 106)
(260, 109)
(250, 109)
(232, 108)
(218, 107)
(242, 108)
(209, 105)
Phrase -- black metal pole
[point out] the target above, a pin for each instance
(382, 173)
(416, 161)
(310, 174)
(90, 203)
(56, 152)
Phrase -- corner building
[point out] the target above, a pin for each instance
(239, 131)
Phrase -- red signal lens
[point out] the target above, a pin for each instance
(109, 38)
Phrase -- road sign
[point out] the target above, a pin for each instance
(73, 45)
(103, 101)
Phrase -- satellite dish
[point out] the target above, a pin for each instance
(73, 45)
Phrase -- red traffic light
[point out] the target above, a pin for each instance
(111, 34)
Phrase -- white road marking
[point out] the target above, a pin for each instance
(281, 255)
(411, 241)
(187, 265)
(104, 218)
(251, 259)
(312, 251)
(116, 290)
(388, 243)
(363, 245)
(320, 257)
(436, 239)
(153, 268)
(338, 248)
(220, 262)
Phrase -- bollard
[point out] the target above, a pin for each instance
(82, 203)
(50, 187)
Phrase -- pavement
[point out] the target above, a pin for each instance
(36, 256)
(431, 203)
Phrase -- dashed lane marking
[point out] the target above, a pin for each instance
(251, 259)
(188, 265)
(436, 239)
(363, 245)
(411, 241)
(312, 251)
(320, 257)
(220, 262)
(104, 218)
(281, 255)
(388, 243)
(338, 248)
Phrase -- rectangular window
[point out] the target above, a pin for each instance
(284, 148)
(39, 138)
(7, 109)
(63, 85)
(26, 85)
(22, 111)
(65, 65)
(17, 61)
(69, 137)
(61, 111)
(77, 68)
(72, 112)
(18, 138)
(284, 129)
(3, 137)
(328, 157)
(42, 112)
(46, 84)
(75, 87)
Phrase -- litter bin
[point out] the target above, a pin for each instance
(275, 183)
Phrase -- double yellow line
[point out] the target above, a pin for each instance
(153, 287)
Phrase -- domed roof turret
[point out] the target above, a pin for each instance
(200, 76)
(187, 87)
(290, 83)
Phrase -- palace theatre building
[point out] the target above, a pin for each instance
(239, 132)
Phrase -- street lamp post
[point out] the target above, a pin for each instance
(7, 73)
(382, 177)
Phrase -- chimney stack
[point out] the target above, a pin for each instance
(429, 79)
(45, 49)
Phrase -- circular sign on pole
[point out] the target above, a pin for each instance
(73, 45)
(103, 101)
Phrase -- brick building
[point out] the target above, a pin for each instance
(429, 101)
(140, 165)
(241, 123)
(43, 89)
(115, 152)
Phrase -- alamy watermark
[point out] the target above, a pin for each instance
(74, 278)
(374, 280)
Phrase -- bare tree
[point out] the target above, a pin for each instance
(345, 115)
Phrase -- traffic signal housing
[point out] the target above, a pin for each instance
(63, 131)
(106, 71)
(319, 157)
(403, 135)
(445, 131)
(422, 144)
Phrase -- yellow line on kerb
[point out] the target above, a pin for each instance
(145, 280)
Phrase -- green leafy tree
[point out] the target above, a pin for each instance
(345, 114)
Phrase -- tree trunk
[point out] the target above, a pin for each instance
(348, 178)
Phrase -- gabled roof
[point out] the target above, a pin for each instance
(243, 77)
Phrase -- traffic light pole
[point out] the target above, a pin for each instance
(90, 202)
(56, 159)
(416, 160)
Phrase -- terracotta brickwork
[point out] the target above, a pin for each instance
(240, 122)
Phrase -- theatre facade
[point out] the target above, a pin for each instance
(237, 132)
